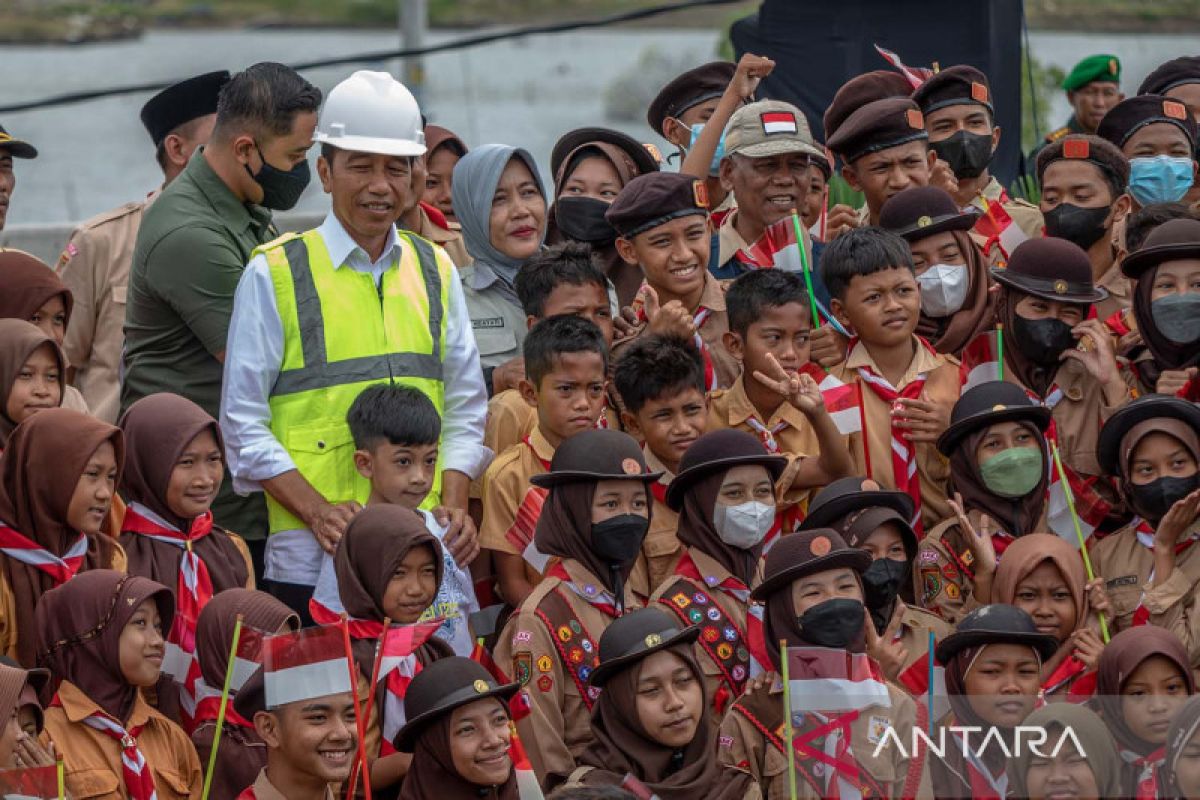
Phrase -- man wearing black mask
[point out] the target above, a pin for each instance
(1083, 180)
(957, 104)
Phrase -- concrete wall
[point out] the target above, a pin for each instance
(46, 241)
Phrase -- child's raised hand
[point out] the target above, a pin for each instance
(671, 319)
(798, 389)
(1088, 647)
(921, 417)
(1097, 596)
(979, 541)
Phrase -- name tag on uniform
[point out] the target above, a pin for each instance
(487, 322)
(1124, 580)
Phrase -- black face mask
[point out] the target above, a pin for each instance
(582, 219)
(833, 623)
(1042, 341)
(1153, 500)
(281, 188)
(968, 154)
(618, 540)
(1076, 224)
(881, 586)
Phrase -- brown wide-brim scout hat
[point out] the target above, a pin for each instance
(442, 687)
(716, 452)
(1176, 239)
(846, 495)
(596, 455)
(987, 404)
(922, 211)
(805, 553)
(1148, 406)
(635, 636)
(996, 624)
(15, 147)
(570, 141)
(1052, 269)
(688, 89)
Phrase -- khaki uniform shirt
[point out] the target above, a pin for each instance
(742, 745)
(506, 488)
(93, 758)
(1127, 567)
(559, 727)
(940, 583)
(450, 240)
(915, 625)
(1120, 291)
(95, 267)
(729, 241)
(496, 315)
(661, 547)
(942, 387)
(264, 790)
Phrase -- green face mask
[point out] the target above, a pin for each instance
(1013, 472)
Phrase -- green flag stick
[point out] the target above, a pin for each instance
(1000, 348)
(62, 779)
(787, 721)
(1087, 561)
(212, 756)
(812, 297)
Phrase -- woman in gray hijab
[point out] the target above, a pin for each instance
(499, 201)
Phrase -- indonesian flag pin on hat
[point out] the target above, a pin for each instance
(778, 122)
(769, 128)
(304, 665)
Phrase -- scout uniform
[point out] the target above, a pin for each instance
(1125, 559)
(1092, 69)
(549, 643)
(761, 130)
(648, 201)
(702, 592)
(661, 549)
(753, 732)
(944, 580)
(263, 789)
(434, 227)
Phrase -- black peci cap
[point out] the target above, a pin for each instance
(182, 102)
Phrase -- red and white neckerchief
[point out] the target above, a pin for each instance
(767, 435)
(16, 545)
(837, 752)
(1145, 536)
(699, 317)
(139, 782)
(1147, 778)
(597, 596)
(755, 639)
(544, 462)
(1070, 668)
(984, 785)
(904, 452)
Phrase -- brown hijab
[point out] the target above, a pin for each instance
(951, 334)
(18, 340)
(1175, 428)
(80, 625)
(1167, 354)
(436, 136)
(26, 283)
(1016, 516)
(157, 429)
(696, 529)
(214, 630)
(564, 529)
(1119, 658)
(621, 746)
(1183, 730)
(42, 464)
(432, 775)
(782, 624)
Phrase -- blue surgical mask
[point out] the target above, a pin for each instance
(1161, 179)
(714, 168)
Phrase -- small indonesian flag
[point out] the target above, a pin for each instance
(520, 535)
(775, 249)
(980, 361)
(824, 680)
(1090, 506)
(249, 656)
(915, 75)
(999, 229)
(30, 783)
(778, 122)
(842, 400)
(304, 665)
(528, 787)
(481, 656)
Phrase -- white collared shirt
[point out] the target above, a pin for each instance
(254, 355)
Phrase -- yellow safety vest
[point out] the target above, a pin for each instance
(342, 334)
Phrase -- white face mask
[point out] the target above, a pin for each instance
(943, 289)
(743, 526)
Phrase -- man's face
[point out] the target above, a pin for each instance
(767, 189)
(369, 190)
(949, 120)
(887, 172)
(1093, 101)
(1075, 181)
(315, 738)
(8, 181)
(1157, 139)
(281, 152)
(673, 255)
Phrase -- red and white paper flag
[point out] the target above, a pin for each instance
(825, 680)
(915, 75)
(998, 228)
(775, 249)
(528, 787)
(304, 665)
(29, 783)
(842, 401)
(980, 361)
(520, 535)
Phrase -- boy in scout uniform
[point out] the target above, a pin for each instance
(813, 596)
(1093, 87)
(1144, 128)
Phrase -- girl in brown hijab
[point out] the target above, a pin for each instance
(1143, 680)
(1092, 769)
(1043, 575)
(591, 165)
(242, 752)
(101, 635)
(32, 374)
(19, 748)
(443, 149)
(1179, 776)
(58, 477)
(651, 721)
(172, 472)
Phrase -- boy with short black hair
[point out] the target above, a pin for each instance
(905, 387)
(566, 368)
(660, 380)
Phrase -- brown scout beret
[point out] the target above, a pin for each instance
(1104, 154)
(860, 90)
(877, 126)
(650, 200)
(691, 88)
(954, 86)
(1132, 114)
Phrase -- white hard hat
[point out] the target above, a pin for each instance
(372, 112)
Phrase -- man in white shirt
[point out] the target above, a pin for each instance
(309, 333)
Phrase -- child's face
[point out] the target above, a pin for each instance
(93, 493)
(673, 255)
(886, 542)
(52, 318)
(831, 584)
(746, 483)
(887, 172)
(1150, 697)
(196, 476)
(36, 386)
(670, 423)
(570, 397)
(401, 474)
(587, 300)
(614, 498)
(941, 248)
(142, 645)
(1004, 436)
(1045, 595)
(780, 331)
(1002, 685)
(479, 740)
(669, 699)
(1035, 308)
(815, 198)
(8, 739)
(315, 738)
(27, 719)
(412, 588)
(1160, 455)
(1062, 772)
(881, 307)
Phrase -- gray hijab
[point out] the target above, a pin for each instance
(474, 185)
